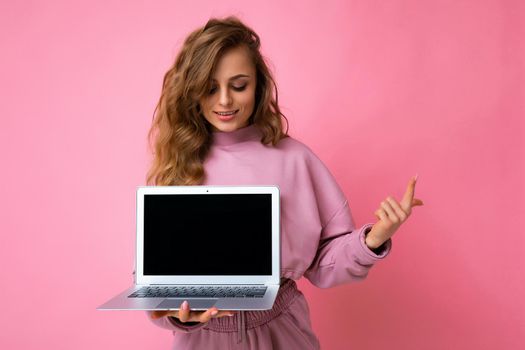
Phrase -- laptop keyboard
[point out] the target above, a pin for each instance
(199, 292)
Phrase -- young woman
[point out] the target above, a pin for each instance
(218, 122)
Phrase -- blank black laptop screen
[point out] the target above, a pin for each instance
(207, 234)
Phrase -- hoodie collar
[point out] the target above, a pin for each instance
(248, 133)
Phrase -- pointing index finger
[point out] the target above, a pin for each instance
(409, 194)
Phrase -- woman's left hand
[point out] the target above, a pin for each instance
(391, 215)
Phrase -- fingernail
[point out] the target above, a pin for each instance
(415, 178)
(214, 312)
(230, 315)
(185, 305)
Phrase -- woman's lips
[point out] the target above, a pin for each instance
(225, 118)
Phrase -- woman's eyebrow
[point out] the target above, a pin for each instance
(236, 77)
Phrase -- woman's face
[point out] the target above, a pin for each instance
(231, 99)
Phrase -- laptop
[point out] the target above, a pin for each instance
(210, 245)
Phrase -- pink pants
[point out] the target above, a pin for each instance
(286, 326)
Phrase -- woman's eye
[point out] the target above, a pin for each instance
(236, 88)
(239, 88)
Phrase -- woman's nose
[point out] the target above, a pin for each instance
(225, 98)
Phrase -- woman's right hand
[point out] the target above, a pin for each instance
(185, 315)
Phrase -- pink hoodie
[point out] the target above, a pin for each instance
(319, 239)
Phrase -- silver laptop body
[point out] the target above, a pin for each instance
(210, 245)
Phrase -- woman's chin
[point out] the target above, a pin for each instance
(228, 126)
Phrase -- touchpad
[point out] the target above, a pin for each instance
(194, 303)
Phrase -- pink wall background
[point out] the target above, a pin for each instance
(380, 90)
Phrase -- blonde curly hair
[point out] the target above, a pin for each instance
(180, 136)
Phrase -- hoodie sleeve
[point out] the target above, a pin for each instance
(342, 255)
